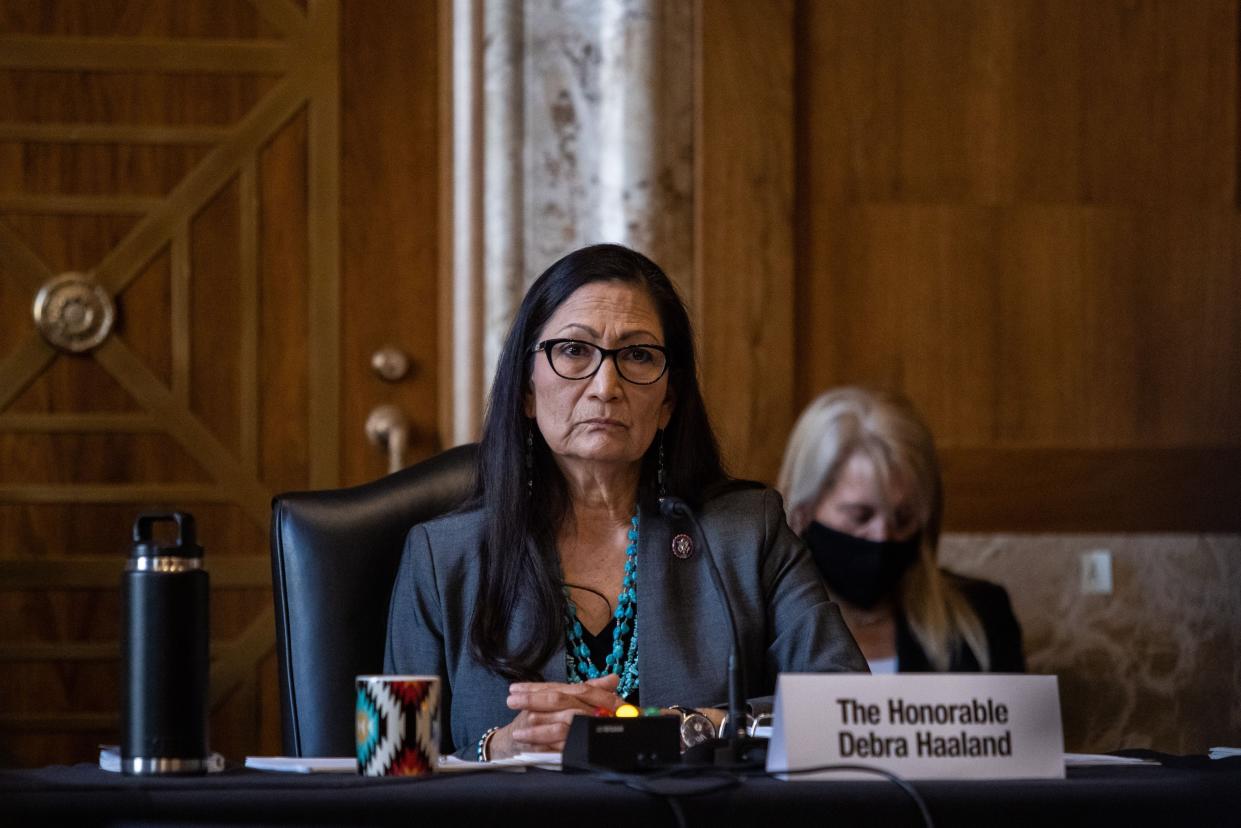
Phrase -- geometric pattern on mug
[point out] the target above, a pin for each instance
(385, 745)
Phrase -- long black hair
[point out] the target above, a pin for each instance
(519, 549)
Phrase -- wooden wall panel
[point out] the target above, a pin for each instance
(1158, 100)
(134, 133)
(390, 192)
(124, 18)
(70, 386)
(926, 322)
(1190, 490)
(282, 260)
(744, 182)
(1028, 100)
(215, 358)
(190, 155)
(1024, 216)
(1188, 317)
(146, 325)
(63, 242)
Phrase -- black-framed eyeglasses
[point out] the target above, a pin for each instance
(574, 359)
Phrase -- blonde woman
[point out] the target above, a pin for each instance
(861, 485)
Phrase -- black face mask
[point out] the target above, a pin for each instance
(860, 571)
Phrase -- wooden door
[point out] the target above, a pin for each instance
(189, 157)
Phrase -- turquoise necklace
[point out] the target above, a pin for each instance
(623, 660)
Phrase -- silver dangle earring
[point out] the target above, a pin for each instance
(660, 471)
(529, 462)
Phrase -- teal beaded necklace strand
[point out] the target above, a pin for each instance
(623, 659)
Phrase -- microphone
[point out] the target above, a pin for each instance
(734, 751)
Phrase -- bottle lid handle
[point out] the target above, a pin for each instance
(186, 543)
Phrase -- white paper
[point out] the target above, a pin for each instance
(546, 761)
(918, 726)
(1085, 760)
(349, 764)
(304, 764)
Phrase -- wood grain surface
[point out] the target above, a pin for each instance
(194, 160)
(744, 189)
(1024, 216)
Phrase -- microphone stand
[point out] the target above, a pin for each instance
(731, 749)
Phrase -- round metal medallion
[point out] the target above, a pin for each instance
(73, 312)
(682, 546)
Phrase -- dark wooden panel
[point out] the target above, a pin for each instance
(1068, 490)
(744, 253)
(1026, 100)
(215, 316)
(284, 319)
(905, 297)
(1060, 326)
(16, 323)
(1068, 354)
(72, 384)
(1187, 315)
(124, 18)
(128, 98)
(65, 242)
(105, 169)
(144, 322)
(1158, 102)
(1009, 216)
(82, 459)
(60, 696)
(390, 221)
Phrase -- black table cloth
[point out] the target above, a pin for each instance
(1135, 795)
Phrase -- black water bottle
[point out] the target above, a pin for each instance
(164, 656)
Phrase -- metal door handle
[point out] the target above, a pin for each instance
(390, 363)
(388, 428)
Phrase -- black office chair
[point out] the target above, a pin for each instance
(334, 556)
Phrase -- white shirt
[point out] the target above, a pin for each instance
(882, 665)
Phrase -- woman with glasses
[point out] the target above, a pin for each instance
(861, 483)
(560, 588)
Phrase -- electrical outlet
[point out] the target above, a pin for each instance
(1097, 572)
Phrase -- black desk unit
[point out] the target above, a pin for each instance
(1142, 795)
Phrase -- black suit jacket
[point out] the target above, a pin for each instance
(990, 602)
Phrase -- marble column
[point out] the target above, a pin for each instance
(572, 124)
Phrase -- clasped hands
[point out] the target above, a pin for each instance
(546, 709)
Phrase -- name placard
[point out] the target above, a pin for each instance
(920, 726)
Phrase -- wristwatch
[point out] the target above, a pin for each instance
(695, 727)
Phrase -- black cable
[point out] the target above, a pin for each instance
(900, 782)
(731, 777)
(643, 784)
(677, 813)
(643, 781)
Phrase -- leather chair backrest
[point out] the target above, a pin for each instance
(334, 560)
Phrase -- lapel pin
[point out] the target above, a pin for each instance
(682, 545)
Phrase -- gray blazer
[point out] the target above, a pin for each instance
(786, 622)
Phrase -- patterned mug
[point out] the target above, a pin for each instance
(398, 725)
